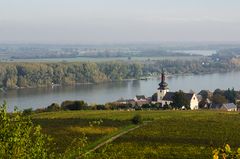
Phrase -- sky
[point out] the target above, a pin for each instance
(119, 21)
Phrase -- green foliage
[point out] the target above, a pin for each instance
(53, 107)
(146, 106)
(218, 99)
(231, 95)
(95, 123)
(226, 153)
(179, 100)
(19, 138)
(73, 105)
(154, 97)
(167, 107)
(203, 104)
(137, 119)
(218, 92)
(205, 94)
(100, 107)
(28, 111)
(13, 75)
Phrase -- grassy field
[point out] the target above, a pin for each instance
(64, 127)
(171, 134)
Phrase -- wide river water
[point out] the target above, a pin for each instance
(111, 91)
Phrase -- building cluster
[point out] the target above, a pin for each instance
(164, 97)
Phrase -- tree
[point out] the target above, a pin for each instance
(203, 103)
(205, 94)
(154, 97)
(137, 119)
(218, 92)
(218, 99)
(53, 107)
(180, 99)
(20, 138)
(230, 95)
(73, 105)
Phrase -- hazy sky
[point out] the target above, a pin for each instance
(118, 21)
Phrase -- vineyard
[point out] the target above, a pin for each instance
(167, 134)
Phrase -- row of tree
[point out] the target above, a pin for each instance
(15, 75)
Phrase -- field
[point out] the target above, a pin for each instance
(169, 134)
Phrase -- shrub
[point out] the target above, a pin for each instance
(167, 107)
(53, 107)
(137, 119)
(100, 107)
(226, 153)
(146, 106)
(40, 110)
(28, 111)
(155, 106)
(74, 105)
(19, 138)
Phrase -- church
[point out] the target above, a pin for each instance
(165, 97)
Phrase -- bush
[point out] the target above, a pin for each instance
(19, 138)
(100, 107)
(146, 106)
(53, 107)
(74, 105)
(155, 106)
(40, 110)
(28, 111)
(226, 153)
(137, 119)
(167, 107)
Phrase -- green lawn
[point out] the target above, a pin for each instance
(171, 134)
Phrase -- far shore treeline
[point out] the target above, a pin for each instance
(29, 75)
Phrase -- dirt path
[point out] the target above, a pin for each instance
(112, 139)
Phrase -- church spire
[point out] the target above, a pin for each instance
(163, 85)
(163, 76)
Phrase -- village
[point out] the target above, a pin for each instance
(226, 100)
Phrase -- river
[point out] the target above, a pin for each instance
(111, 91)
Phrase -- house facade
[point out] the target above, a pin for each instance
(229, 107)
(140, 100)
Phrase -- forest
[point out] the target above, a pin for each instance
(22, 75)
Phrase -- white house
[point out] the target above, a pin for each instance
(229, 107)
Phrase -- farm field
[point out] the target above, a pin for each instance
(170, 134)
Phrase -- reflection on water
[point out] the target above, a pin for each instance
(106, 92)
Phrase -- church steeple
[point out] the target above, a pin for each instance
(163, 85)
